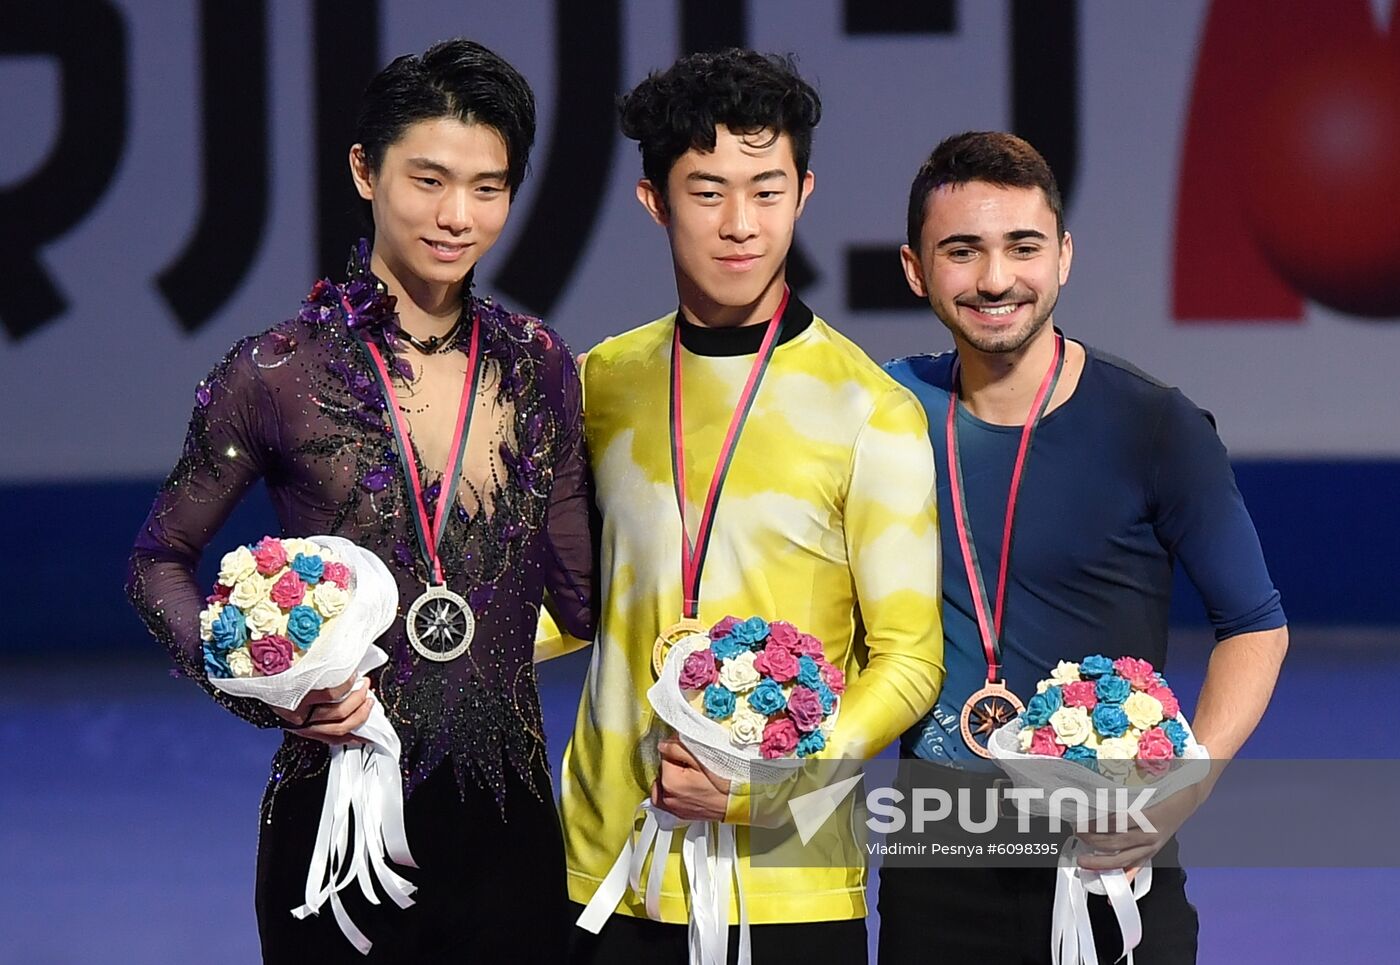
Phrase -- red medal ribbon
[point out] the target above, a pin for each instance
(693, 551)
(988, 619)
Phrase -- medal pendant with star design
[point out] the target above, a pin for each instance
(985, 711)
(440, 625)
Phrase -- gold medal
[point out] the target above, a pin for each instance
(985, 711)
(671, 636)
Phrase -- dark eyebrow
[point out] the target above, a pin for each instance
(960, 240)
(706, 176)
(772, 175)
(1025, 234)
(430, 165)
(490, 176)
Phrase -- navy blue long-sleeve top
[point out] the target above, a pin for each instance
(1123, 479)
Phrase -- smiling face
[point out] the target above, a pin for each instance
(730, 215)
(990, 263)
(440, 199)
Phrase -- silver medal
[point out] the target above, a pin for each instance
(440, 624)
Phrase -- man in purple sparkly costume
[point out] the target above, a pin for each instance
(398, 382)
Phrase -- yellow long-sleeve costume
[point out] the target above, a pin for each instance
(828, 520)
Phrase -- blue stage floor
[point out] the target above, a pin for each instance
(129, 808)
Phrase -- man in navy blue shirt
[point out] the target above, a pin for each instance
(1115, 477)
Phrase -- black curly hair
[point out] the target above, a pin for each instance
(678, 109)
(456, 78)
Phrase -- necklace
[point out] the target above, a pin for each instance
(435, 343)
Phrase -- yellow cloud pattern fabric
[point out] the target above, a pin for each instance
(828, 520)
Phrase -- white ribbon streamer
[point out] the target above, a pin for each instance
(363, 804)
(710, 859)
(1071, 933)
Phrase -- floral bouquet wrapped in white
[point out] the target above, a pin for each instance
(751, 701)
(289, 616)
(1093, 729)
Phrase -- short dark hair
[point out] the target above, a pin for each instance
(456, 78)
(678, 109)
(995, 157)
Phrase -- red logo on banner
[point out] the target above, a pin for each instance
(1290, 178)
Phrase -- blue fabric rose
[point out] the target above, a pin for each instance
(1112, 690)
(726, 648)
(1096, 666)
(767, 698)
(809, 743)
(309, 568)
(828, 698)
(1176, 733)
(229, 629)
(1042, 705)
(1110, 720)
(808, 673)
(303, 625)
(750, 632)
(1083, 755)
(216, 662)
(719, 702)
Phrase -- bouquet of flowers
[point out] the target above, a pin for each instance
(1092, 726)
(751, 691)
(751, 700)
(288, 616)
(273, 600)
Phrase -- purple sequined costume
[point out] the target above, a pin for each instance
(298, 407)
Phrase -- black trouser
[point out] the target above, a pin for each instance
(489, 890)
(981, 915)
(625, 940)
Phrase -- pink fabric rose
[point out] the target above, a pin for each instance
(698, 671)
(1134, 671)
(271, 654)
(269, 555)
(834, 676)
(1165, 697)
(288, 591)
(1155, 752)
(779, 739)
(783, 634)
(805, 707)
(1155, 745)
(337, 573)
(1043, 743)
(777, 662)
(1080, 694)
(220, 595)
(809, 646)
(723, 627)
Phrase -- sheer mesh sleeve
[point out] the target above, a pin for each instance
(227, 448)
(571, 553)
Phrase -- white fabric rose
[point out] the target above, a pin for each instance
(296, 545)
(1065, 673)
(1144, 711)
(207, 616)
(266, 618)
(1025, 736)
(329, 599)
(240, 664)
(248, 591)
(746, 726)
(237, 565)
(738, 673)
(1118, 748)
(1072, 725)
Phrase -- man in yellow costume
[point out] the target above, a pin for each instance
(807, 487)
